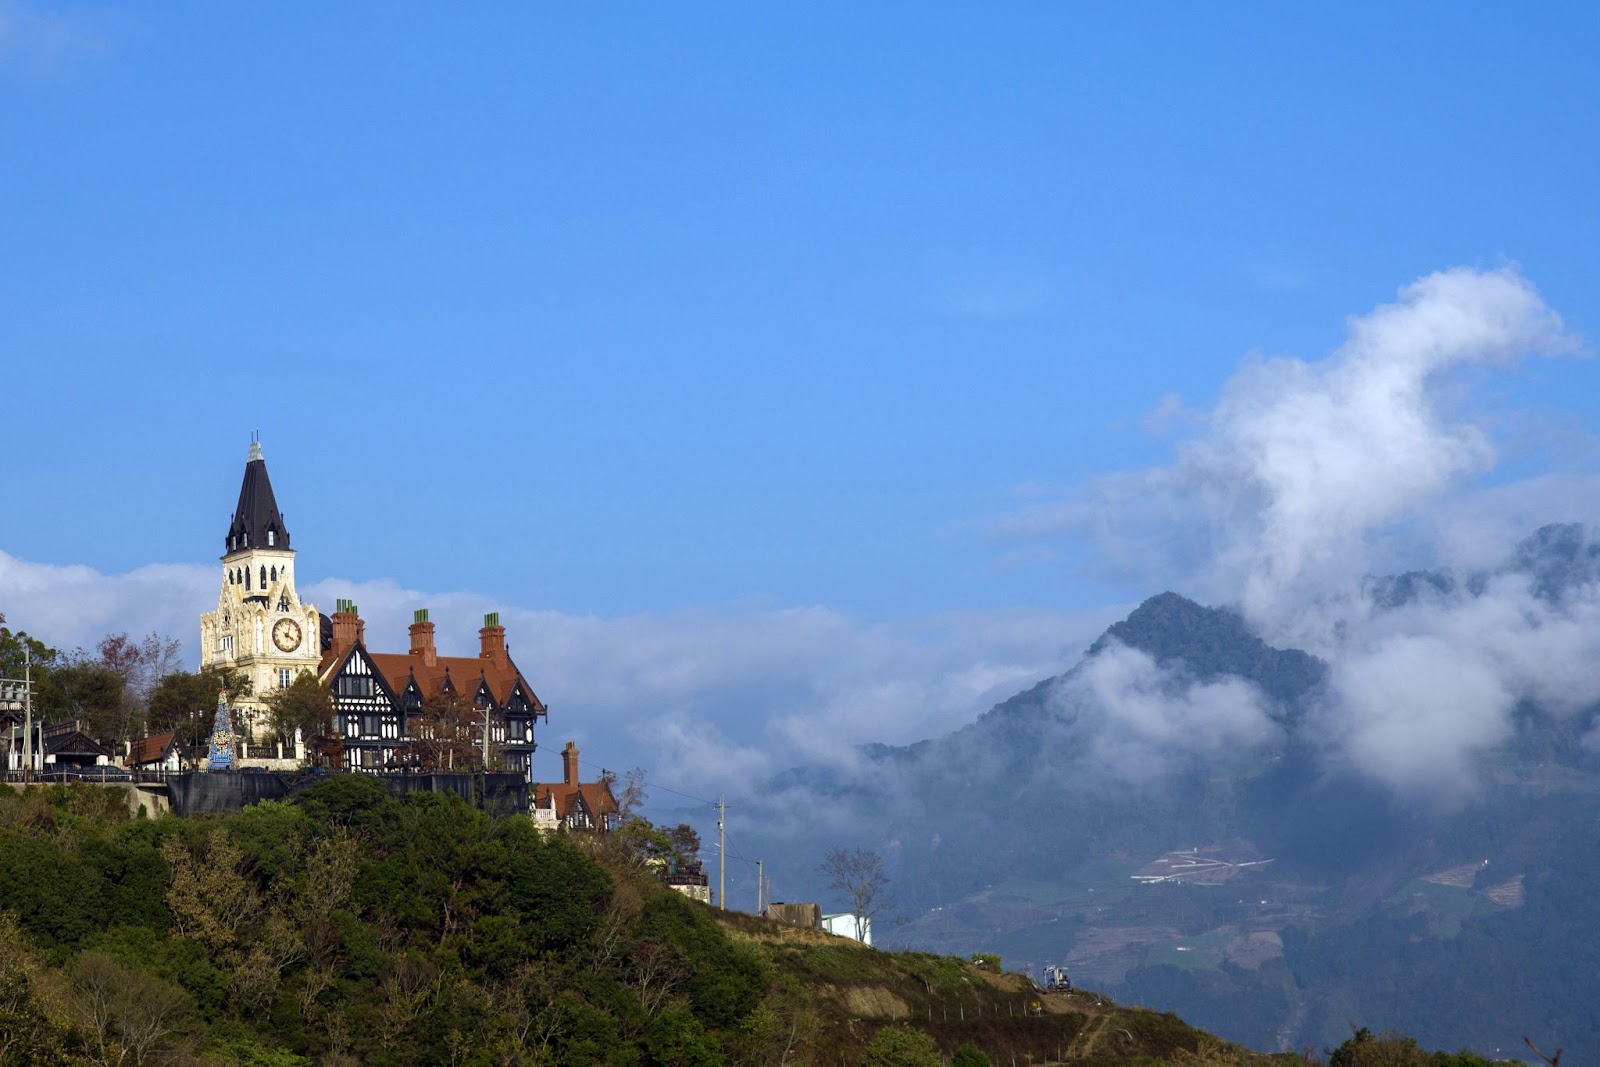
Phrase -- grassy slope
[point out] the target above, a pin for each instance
(857, 990)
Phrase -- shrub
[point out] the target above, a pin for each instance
(894, 1046)
(969, 1056)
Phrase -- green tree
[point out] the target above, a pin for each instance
(85, 690)
(895, 1046)
(678, 1039)
(31, 1028)
(211, 898)
(13, 644)
(725, 980)
(1388, 1050)
(969, 1055)
(56, 895)
(303, 705)
(685, 843)
(187, 702)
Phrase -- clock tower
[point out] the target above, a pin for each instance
(260, 626)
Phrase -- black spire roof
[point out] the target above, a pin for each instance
(257, 523)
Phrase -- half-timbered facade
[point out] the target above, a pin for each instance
(422, 711)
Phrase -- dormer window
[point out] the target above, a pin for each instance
(272, 537)
(246, 541)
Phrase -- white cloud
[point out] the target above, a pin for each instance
(714, 698)
(1413, 710)
(1308, 476)
(1144, 719)
(1302, 466)
(74, 606)
(1418, 692)
(41, 43)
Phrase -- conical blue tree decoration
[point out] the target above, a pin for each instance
(221, 757)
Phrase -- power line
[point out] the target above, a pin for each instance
(649, 784)
(723, 851)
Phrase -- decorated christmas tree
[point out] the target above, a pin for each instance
(222, 738)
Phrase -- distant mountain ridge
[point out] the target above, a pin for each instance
(1556, 558)
(1007, 834)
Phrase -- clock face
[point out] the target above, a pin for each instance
(286, 634)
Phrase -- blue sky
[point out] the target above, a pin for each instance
(669, 318)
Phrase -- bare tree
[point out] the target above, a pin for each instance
(657, 972)
(126, 1013)
(409, 985)
(860, 876)
(445, 735)
(141, 665)
(633, 794)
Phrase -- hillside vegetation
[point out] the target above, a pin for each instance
(349, 926)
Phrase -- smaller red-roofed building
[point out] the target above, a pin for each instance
(159, 752)
(573, 804)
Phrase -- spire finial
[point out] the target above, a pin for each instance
(255, 446)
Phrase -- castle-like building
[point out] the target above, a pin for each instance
(260, 626)
(415, 710)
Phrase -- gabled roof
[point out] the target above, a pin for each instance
(462, 672)
(564, 798)
(73, 742)
(333, 662)
(155, 748)
(257, 510)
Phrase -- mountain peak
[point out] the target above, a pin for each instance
(1559, 557)
(1211, 642)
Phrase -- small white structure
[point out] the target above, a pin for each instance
(845, 924)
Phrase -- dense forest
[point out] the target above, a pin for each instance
(349, 926)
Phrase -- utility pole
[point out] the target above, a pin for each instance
(27, 703)
(722, 857)
(8, 695)
(760, 881)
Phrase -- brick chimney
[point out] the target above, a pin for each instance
(569, 764)
(348, 629)
(422, 638)
(492, 638)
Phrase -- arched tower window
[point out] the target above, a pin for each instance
(274, 574)
(263, 577)
(247, 578)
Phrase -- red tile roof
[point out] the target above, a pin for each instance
(596, 795)
(464, 672)
(152, 749)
